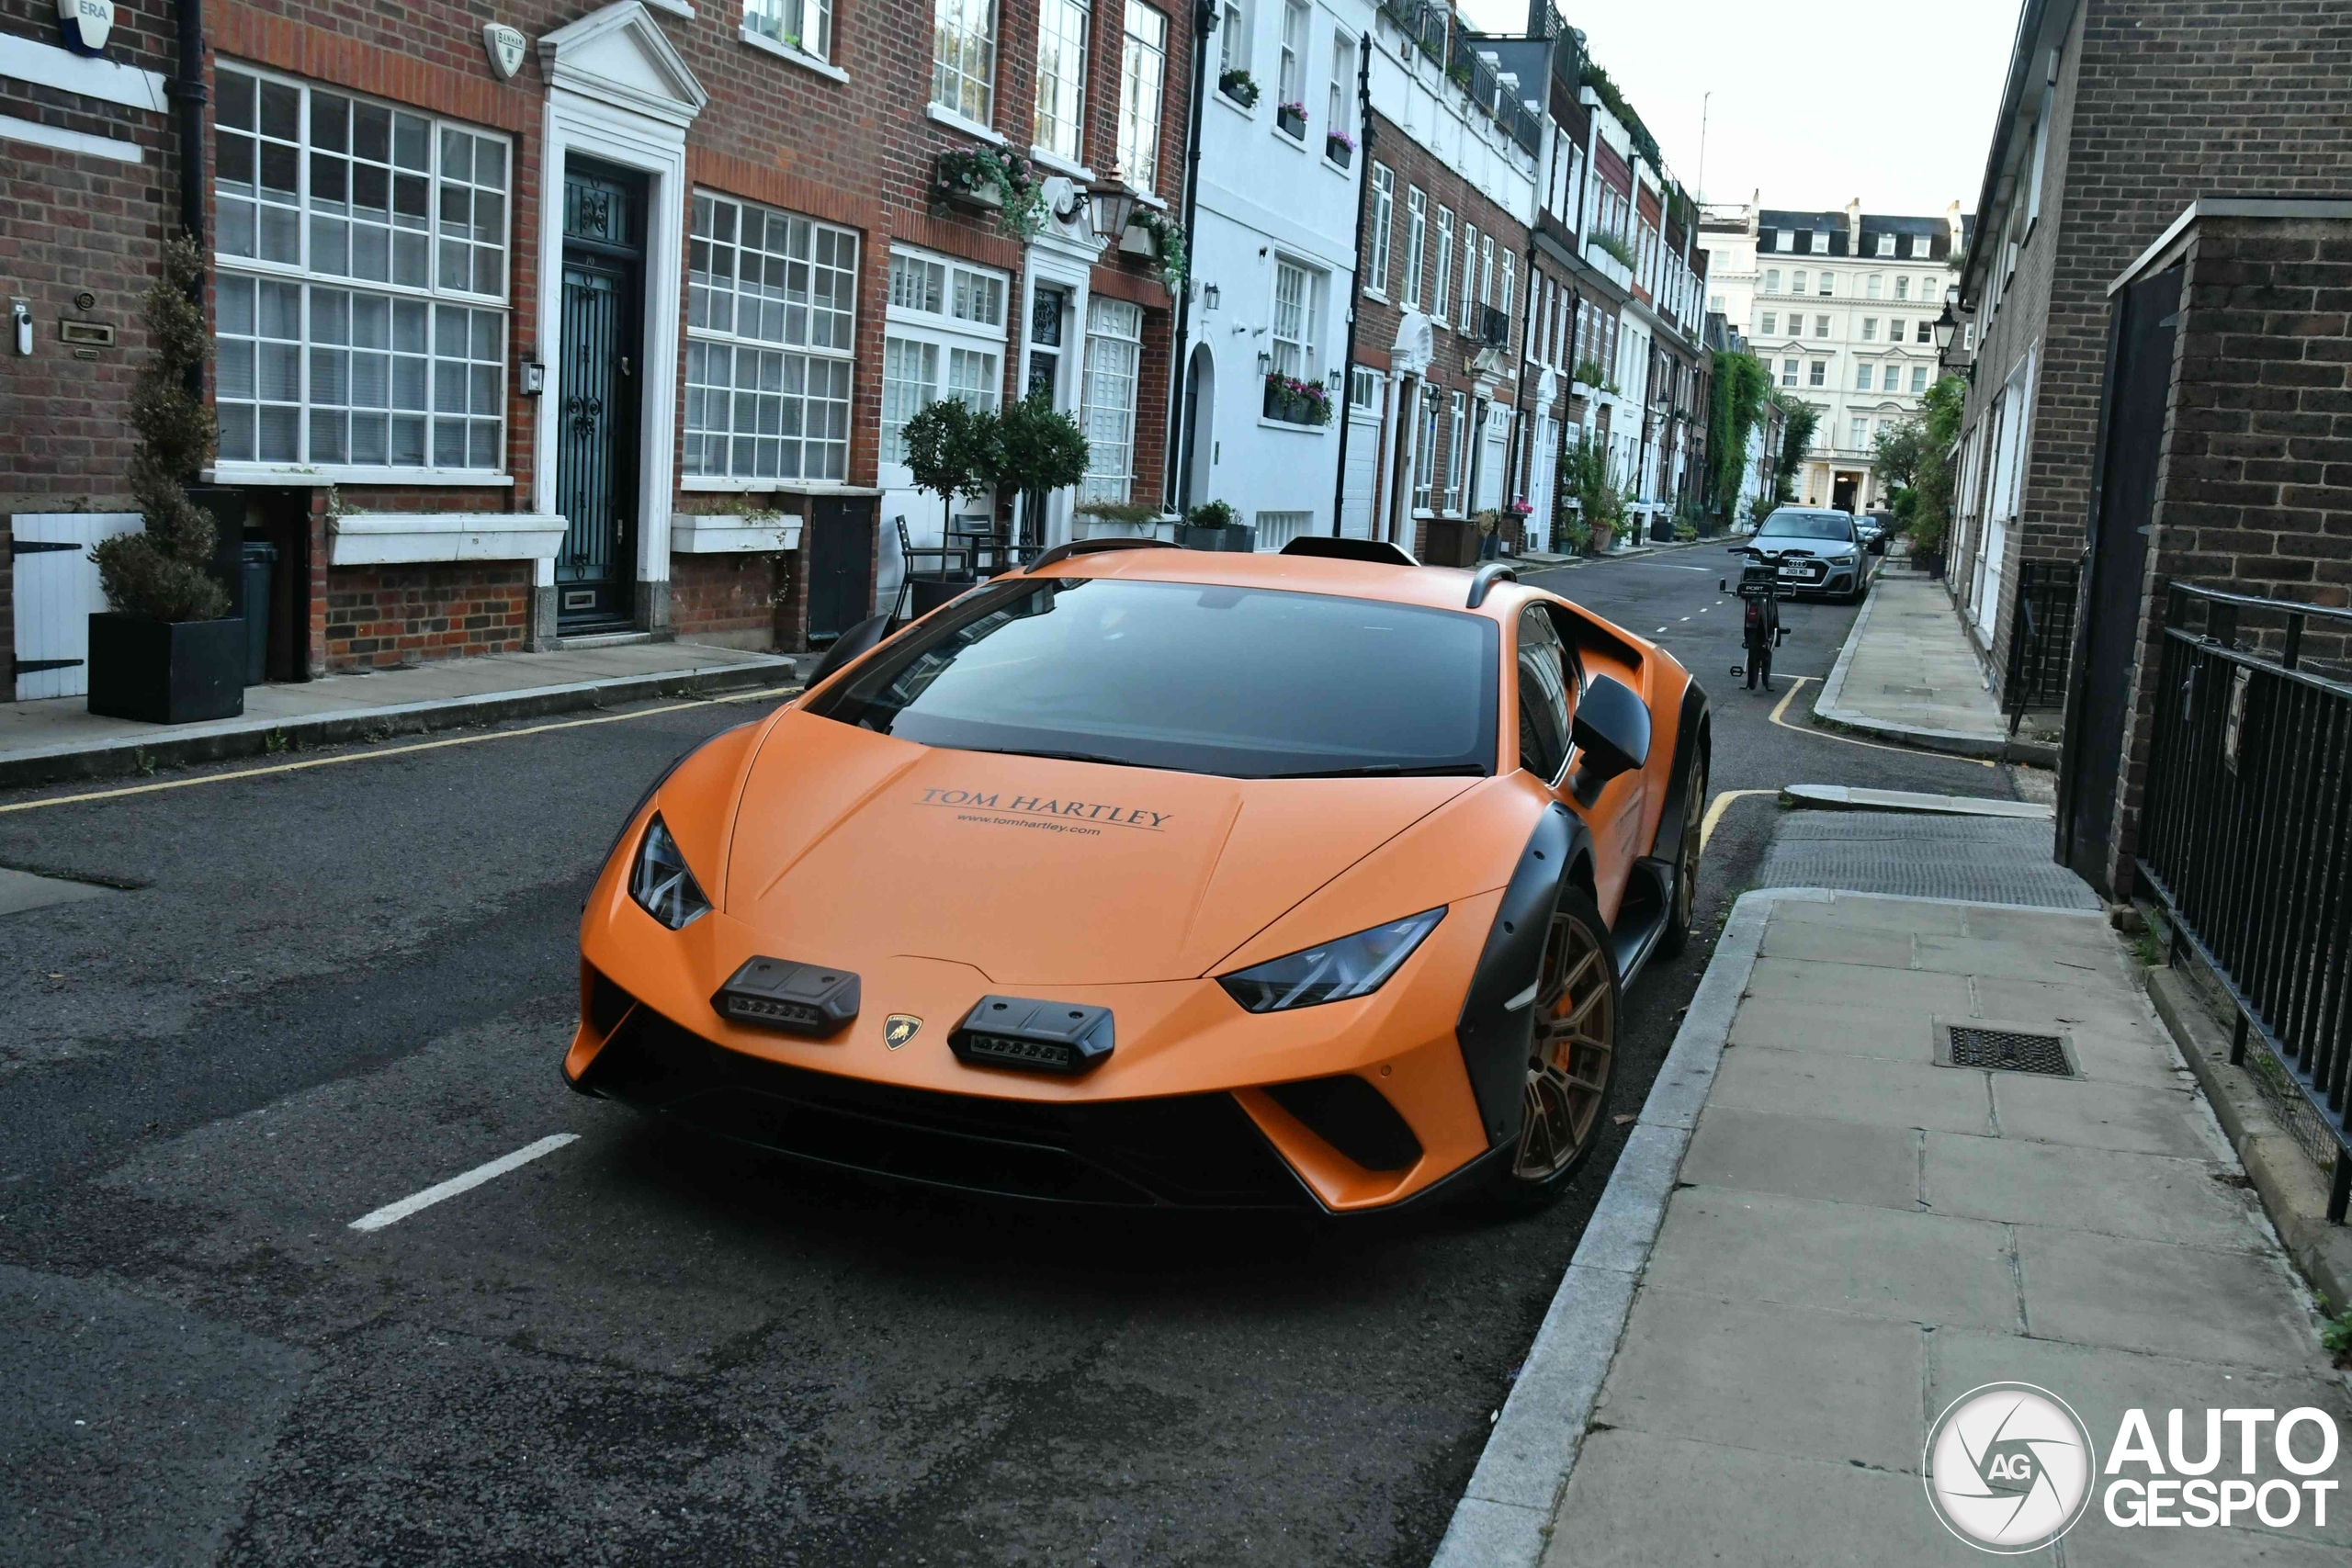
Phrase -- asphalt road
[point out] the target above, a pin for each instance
(318, 992)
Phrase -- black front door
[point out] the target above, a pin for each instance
(599, 366)
(836, 549)
(2142, 322)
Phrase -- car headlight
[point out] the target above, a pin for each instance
(1352, 966)
(660, 883)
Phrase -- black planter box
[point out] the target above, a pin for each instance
(166, 672)
(1338, 151)
(1292, 124)
(1451, 541)
(1193, 536)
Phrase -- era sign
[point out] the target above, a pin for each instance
(85, 24)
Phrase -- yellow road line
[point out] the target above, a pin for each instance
(376, 752)
(1797, 680)
(1716, 808)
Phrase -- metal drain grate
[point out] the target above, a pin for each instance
(2010, 1051)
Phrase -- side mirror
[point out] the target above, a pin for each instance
(1612, 730)
(854, 643)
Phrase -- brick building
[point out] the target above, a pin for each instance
(603, 324)
(2118, 115)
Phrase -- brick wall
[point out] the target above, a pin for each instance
(379, 617)
(729, 599)
(2159, 102)
(2254, 491)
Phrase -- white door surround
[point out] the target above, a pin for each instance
(618, 91)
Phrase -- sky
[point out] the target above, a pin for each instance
(1816, 101)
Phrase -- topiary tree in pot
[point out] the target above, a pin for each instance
(1037, 449)
(167, 650)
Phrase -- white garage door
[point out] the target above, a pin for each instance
(56, 594)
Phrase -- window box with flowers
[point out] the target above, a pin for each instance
(1238, 86)
(1292, 402)
(982, 179)
(1340, 147)
(1152, 233)
(1291, 120)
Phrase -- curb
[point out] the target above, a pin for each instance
(1951, 743)
(2294, 1191)
(1505, 1514)
(1842, 798)
(1570, 563)
(248, 738)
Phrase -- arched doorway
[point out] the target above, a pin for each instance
(1200, 425)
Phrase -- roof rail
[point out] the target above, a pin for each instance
(1061, 553)
(1487, 575)
(1379, 552)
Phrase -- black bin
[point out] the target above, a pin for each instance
(258, 562)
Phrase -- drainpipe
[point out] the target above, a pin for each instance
(187, 89)
(1177, 480)
(1356, 263)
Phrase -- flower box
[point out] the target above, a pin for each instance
(1291, 120)
(1338, 149)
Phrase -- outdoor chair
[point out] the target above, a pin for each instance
(955, 566)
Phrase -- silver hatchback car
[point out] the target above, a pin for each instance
(1820, 551)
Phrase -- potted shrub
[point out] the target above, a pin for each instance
(1215, 526)
(1290, 119)
(1116, 520)
(1150, 233)
(1238, 86)
(166, 650)
(1033, 448)
(950, 450)
(1340, 147)
(1294, 401)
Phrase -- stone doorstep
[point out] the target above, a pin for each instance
(2293, 1190)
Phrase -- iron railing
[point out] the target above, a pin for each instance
(2041, 638)
(1406, 14)
(1431, 33)
(2245, 837)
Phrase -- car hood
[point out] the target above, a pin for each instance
(850, 846)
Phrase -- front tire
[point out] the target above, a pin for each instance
(1571, 1060)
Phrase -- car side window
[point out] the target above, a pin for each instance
(1543, 695)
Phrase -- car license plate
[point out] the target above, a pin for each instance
(1804, 573)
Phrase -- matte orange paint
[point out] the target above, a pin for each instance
(940, 876)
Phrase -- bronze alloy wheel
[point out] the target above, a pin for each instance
(1573, 1048)
(1686, 864)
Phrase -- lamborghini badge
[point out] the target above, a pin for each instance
(899, 1028)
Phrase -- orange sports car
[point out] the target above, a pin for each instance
(1159, 877)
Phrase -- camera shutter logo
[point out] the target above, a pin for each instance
(2008, 1467)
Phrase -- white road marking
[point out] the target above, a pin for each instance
(392, 1213)
(1661, 628)
(1686, 617)
(1670, 567)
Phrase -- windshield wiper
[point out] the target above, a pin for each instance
(1389, 771)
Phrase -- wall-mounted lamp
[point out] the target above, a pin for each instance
(1108, 205)
(535, 378)
(20, 315)
(1265, 362)
(1946, 325)
(1332, 378)
(1210, 297)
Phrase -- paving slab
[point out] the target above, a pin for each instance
(2150, 1197)
(1846, 1258)
(1783, 1380)
(1643, 1500)
(1856, 985)
(1871, 1089)
(1853, 911)
(2101, 1116)
(1805, 1156)
(2169, 1301)
(1833, 1029)
(1824, 943)
(2094, 973)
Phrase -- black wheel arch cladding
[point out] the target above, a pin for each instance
(1692, 733)
(1493, 1036)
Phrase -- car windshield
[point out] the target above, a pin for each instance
(1243, 681)
(1809, 525)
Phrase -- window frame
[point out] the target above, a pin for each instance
(1056, 90)
(943, 330)
(302, 275)
(1307, 308)
(1444, 279)
(795, 45)
(1138, 138)
(843, 355)
(986, 40)
(1384, 220)
(1416, 226)
(1102, 483)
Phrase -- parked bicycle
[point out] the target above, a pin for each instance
(1761, 593)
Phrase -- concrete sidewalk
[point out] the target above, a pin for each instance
(44, 741)
(1908, 673)
(1817, 1237)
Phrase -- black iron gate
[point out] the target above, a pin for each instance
(2132, 424)
(2041, 638)
(596, 424)
(2246, 837)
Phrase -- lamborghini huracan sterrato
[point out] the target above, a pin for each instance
(1157, 878)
